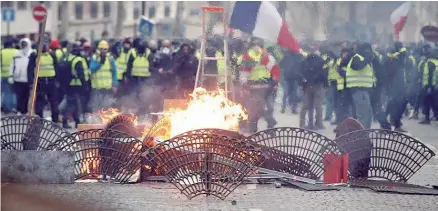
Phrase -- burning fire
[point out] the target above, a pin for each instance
(207, 110)
(107, 115)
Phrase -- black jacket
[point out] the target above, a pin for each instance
(312, 70)
(186, 66)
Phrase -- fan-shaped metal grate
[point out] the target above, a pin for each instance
(347, 126)
(383, 154)
(29, 133)
(295, 150)
(205, 163)
(105, 153)
(160, 130)
(124, 123)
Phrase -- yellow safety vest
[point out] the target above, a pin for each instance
(303, 53)
(359, 78)
(220, 64)
(47, 67)
(403, 49)
(412, 58)
(59, 53)
(102, 78)
(335, 74)
(378, 55)
(426, 73)
(76, 81)
(140, 66)
(7, 55)
(122, 61)
(259, 71)
(332, 72)
(198, 54)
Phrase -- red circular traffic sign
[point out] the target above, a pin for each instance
(39, 12)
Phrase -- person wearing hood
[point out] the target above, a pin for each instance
(21, 76)
(8, 97)
(429, 82)
(360, 78)
(47, 83)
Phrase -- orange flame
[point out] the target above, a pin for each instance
(207, 110)
(107, 115)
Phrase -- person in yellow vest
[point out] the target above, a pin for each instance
(103, 78)
(139, 75)
(56, 47)
(429, 82)
(47, 83)
(360, 79)
(343, 104)
(260, 74)
(331, 102)
(122, 60)
(220, 65)
(8, 96)
(377, 91)
(72, 102)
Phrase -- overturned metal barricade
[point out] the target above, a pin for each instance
(29, 133)
(295, 151)
(205, 163)
(383, 154)
(104, 153)
(347, 126)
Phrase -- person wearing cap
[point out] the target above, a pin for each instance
(56, 47)
(103, 77)
(47, 83)
(21, 76)
(8, 96)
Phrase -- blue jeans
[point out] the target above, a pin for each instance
(290, 95)
(9, 100)
(330, 101)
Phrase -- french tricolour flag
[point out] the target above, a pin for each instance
(261, 19)
(399, 17)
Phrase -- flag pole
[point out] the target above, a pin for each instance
(37, 71)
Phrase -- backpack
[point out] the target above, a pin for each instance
(65, 67)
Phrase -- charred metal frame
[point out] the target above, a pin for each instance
(383, 154)
(296, 151)
(111, 153)
(29, 133)
(205, 163)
